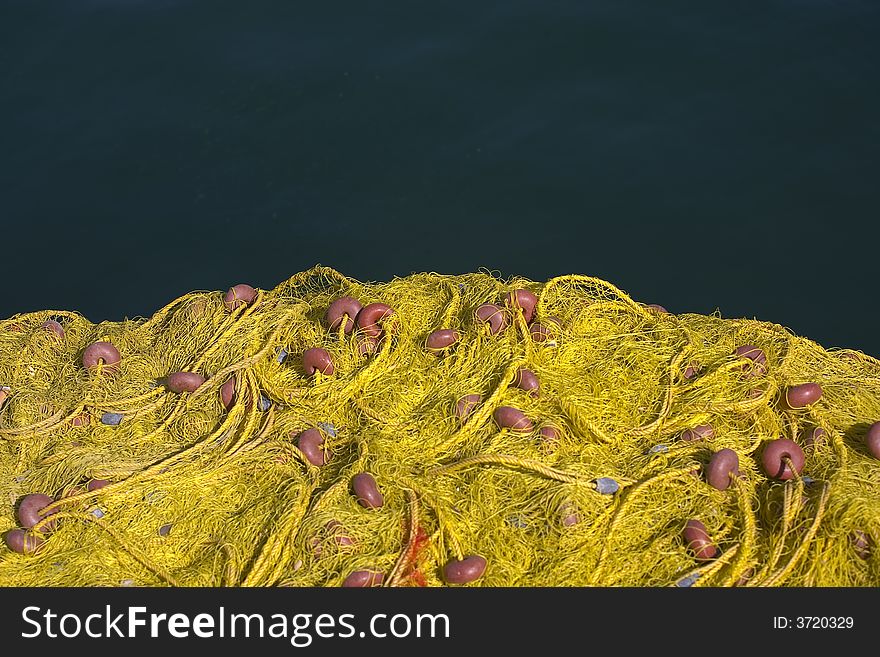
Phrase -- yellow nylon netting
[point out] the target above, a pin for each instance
(205, 496)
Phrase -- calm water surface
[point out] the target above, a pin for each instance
(700, 155)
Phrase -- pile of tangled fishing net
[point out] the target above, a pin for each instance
(433, 430)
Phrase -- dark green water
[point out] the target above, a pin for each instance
(701, 155)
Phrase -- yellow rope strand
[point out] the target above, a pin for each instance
(405, 554)
(703, 574)
(780, 575)
(510, 461)
(742, 563)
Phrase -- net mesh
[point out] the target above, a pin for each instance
(204, 495)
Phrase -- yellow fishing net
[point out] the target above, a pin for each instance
(205, 495)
